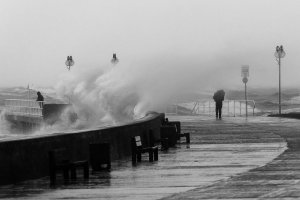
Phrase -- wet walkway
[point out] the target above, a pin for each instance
(229, 158)
(278, 179)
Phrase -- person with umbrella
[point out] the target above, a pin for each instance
(219, 98)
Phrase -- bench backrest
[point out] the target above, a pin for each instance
(176, 124)
(138, 141)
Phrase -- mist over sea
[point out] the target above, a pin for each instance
(266, 102)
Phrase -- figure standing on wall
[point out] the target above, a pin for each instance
(40, 99)
(219, 98)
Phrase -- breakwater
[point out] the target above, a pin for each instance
(27, 158)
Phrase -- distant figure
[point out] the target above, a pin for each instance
(40, 99)
(219, 98)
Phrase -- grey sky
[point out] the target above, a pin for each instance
(219, 36)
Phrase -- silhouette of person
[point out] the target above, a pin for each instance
(219, 98)
(40, 99)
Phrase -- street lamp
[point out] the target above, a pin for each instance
(279, 53)
(69, 62)
(114, 59)
(245, 75)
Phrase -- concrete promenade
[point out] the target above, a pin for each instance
(278, 179)
(232, 158)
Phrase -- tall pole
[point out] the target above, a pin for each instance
(246, 99)
(279, 53)
(279, 94)
(245, 74)
(69, 63)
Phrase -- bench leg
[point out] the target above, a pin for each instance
(73, 173)
(164, 144)
(150, 155)
(187, 137)
(66, 174)
(156, 154)
(86, 170)
(139, 156)
(52, 176)
(133, 157)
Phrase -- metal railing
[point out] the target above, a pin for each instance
(24, 107)
(230, 107)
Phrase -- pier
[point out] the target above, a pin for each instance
(230, 158)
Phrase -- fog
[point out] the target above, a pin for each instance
(167, 49)
(191, 44)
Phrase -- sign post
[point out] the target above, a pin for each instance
(279, 53)
(245, 75)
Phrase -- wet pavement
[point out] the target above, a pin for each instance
(228, 158)
(278, 179)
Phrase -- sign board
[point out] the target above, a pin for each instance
(245, 71)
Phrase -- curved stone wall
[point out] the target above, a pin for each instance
(28, 158)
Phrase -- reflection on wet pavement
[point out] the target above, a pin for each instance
(219, 149)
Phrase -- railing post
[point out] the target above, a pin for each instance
(240, 108)
(253, 107)
(234, 108)
(228, 107)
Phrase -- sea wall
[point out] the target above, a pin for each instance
(25, 159)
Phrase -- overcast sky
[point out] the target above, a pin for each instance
(219, 36)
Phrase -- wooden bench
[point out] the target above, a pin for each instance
(59, 160)
(137, 149)
(178, 130)
(100, 156)
(163, 141)
(169, 132)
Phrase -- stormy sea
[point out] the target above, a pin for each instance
(266, 102)
(260, 102)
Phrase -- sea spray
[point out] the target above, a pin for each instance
(128, 90)
(121, 93)
(8, 129)
(4, 125)
(99, 96)
(124, 91)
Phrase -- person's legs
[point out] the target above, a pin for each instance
(220, 112)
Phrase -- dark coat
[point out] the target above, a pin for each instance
(40, 97)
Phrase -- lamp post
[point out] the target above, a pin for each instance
(245, 75)
(69, 62)
(279, 53)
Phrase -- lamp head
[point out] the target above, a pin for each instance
(279, 52)
(114, 59)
